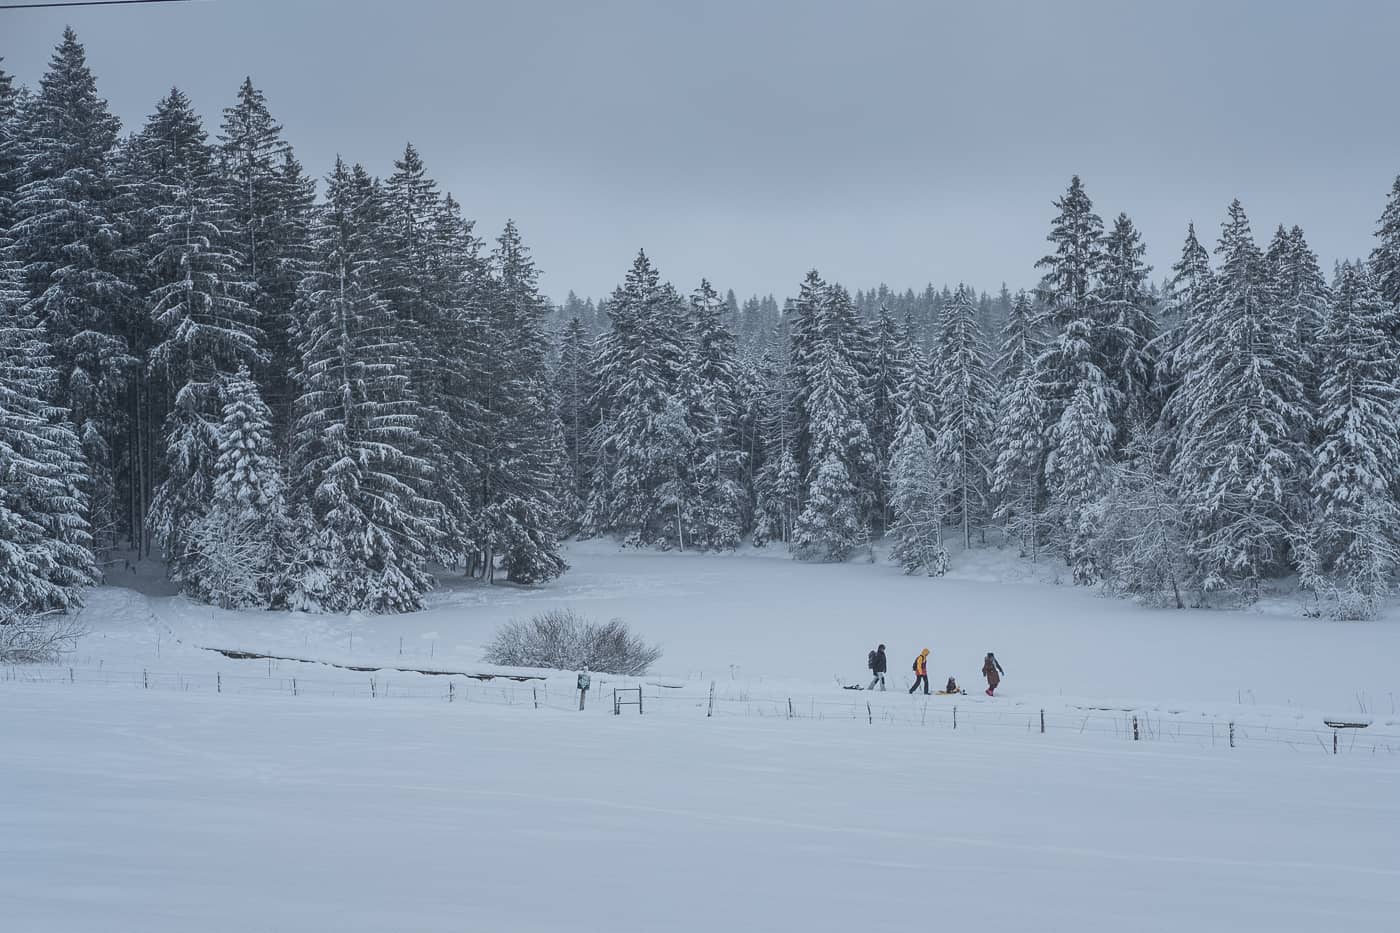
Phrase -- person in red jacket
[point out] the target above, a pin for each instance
(991, 669)
(921, 672)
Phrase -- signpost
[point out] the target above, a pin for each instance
(583, 682)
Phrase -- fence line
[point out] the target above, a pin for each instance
(380, 685)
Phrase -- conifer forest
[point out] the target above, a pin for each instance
(306, 387)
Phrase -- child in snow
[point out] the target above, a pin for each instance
(991, 669)
(877, 664)
(921, 672)
(952, 685)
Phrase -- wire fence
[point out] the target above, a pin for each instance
(950, 713)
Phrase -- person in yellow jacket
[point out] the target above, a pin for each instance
(921, 672)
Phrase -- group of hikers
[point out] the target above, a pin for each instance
(878, 664)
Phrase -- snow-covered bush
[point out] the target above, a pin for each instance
(562, 639)
(32, 638)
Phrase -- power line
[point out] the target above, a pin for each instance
(41, 6)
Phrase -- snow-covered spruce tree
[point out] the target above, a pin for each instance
(678, 496)
(1081, 451)
(1022, 430)
(1143, 543)
(10, 162)
(1072, 269)
(458, 280)
(804, 321)
(967, 413)
(777, 482)
(830, 523)
(1078, 392)
(1018, 475)
(358, 481)
(1244, 457)
(45, 546)
(1022, 339)
(917, 398)
(1356, 537)
(458, 362)
(1074, 358)
(1385, 257)
(523, 467)
(1300, 298)
(828, 528)
(1187, 291)
(853, 342)
(710, 378)
(241, 542)
(1128, 311)
(573, 387)
(198, 301)
(269, 203)
(919, 480)
(64, 236)
(888, 370)
(637, 368)
(828, 341)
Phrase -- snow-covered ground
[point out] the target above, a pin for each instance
(218, 800)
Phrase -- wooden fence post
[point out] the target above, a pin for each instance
(868, 714)
(955, 717)
(1334, 741)
(218, 682)
(451, 691)
(789, 707)
(711, 711)
(145, 679)
(1135, 729)
(1232, 735)
(1042, 722)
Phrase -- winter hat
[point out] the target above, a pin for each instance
(923, 653)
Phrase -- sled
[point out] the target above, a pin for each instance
(945, 693)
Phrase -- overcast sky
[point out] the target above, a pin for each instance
(750, 141)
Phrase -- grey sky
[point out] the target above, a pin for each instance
(749, 141)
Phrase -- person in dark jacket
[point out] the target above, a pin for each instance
(877, 667)
(991, 669)
(921, 671)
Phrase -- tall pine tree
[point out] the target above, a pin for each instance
(1244, 426)
(967, 413)
(65, 237)
(358, 480)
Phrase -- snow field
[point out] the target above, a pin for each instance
(139, 797)
(162, 810)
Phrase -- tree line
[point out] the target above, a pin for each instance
(313, 401)
(1183, 445)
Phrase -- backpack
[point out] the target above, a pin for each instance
(870, 661)
(916, 665)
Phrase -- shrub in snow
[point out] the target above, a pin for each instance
(32, 638)
(563, 639)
